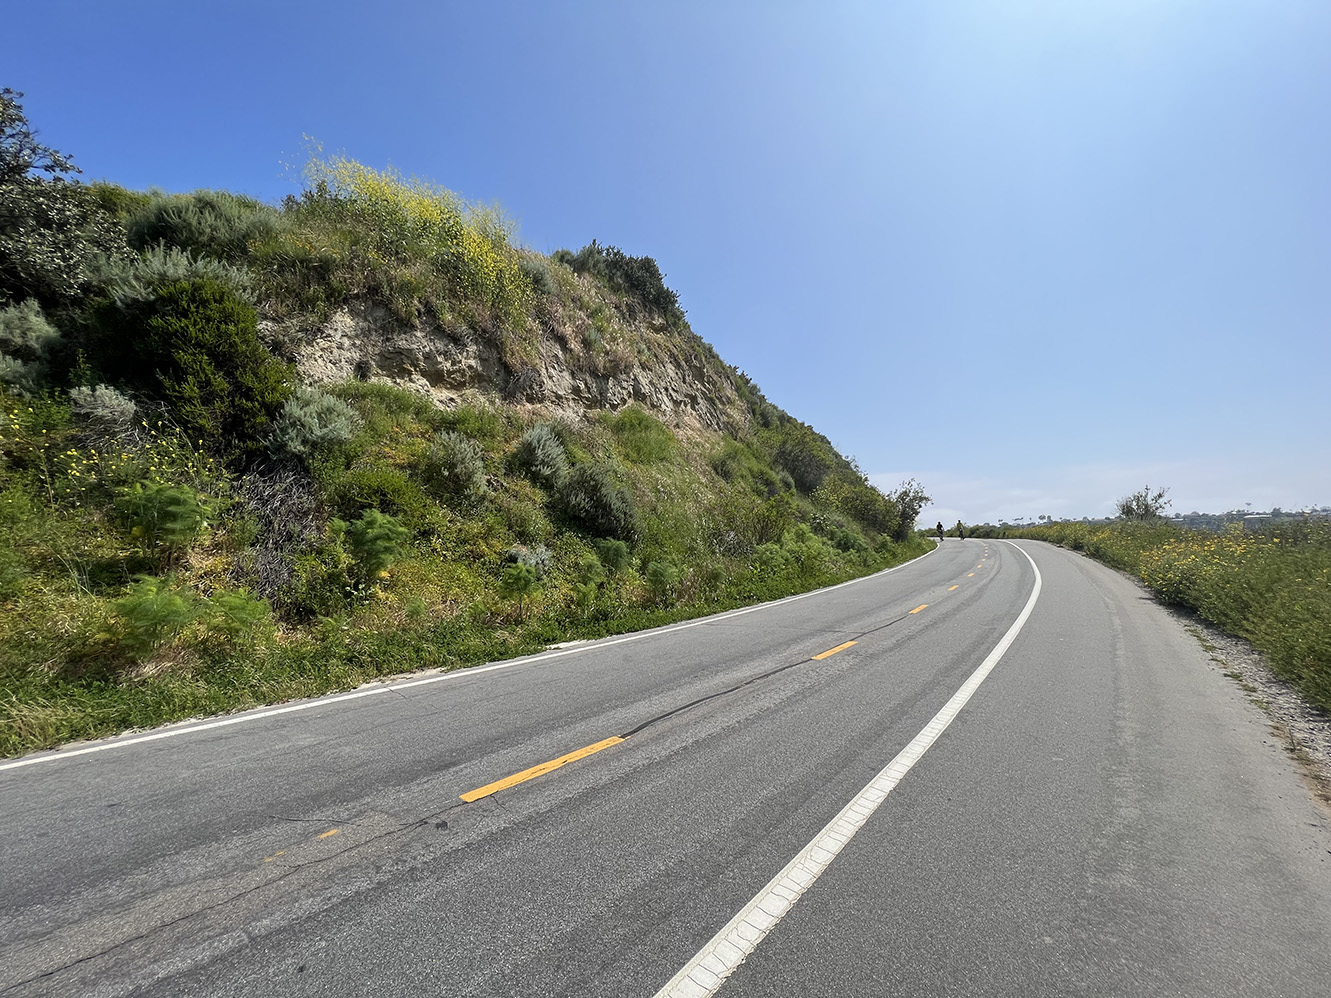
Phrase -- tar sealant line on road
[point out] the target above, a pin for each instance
(707, 971)
(188, 728)
(552, 765)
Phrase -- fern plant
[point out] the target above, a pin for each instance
(376, 541)
(164, 519)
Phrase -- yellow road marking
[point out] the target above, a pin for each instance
(329, 834)
(269, 859)
(950, 588)
(919, 608)
(832, 651)
(535, 771)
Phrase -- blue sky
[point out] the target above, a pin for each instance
(1035, 254)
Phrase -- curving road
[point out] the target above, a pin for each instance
(1012, 775)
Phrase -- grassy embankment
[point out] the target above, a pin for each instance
(1272, 586)
(185, 529)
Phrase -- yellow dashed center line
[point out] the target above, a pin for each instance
(950, 588)
(535, 771)
(582, 753)
(970, 575)
(269, 859)
(832, 651)
(330, 833)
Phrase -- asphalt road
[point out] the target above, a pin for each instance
(1105, 815)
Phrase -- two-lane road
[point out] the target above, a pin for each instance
(1101, 816)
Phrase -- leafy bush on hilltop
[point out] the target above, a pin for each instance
(639, 277)
(213, 224)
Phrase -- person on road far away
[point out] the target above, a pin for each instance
(940, 531)
(961, 530)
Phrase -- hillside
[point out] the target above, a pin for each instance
(251, 452)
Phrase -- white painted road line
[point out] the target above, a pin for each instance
(187, 728)
(703, 975)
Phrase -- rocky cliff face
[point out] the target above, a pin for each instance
(682, 386)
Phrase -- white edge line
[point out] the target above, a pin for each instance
(722, 955)
(56, 755)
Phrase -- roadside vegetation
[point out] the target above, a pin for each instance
(186, 528)
(1270, 585)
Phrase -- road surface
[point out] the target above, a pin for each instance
(997, 770)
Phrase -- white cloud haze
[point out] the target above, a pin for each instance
(1074, 491)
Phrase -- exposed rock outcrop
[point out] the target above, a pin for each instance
(366, 343)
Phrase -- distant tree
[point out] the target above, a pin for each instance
(910, 498)
(1143, 504)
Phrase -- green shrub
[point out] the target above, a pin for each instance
(639, 277)
(908, 498)
(641, 438)
(310, 420)
(118, 202)
(485, 424)
(375, 541)
(151, 614)
(854, 497)
(215, 224)
(587, 584)
(238, 618)
(661, 577)
(410, 240)
(523, 516)
(805, 455)
(139, 277)
(196, 346)
(591, 500)
(385, 488)
(164, 519)
(455, 465)
(104, 413)
(537, 274)
(25, 334)
(321, 583)
(518, 581)
(770, 558)
(27, 342)
(613, 554)
(541, 455)
(538, 556)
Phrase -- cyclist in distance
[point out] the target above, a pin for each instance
(940, 531)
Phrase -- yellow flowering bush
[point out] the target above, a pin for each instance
(410, 241)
